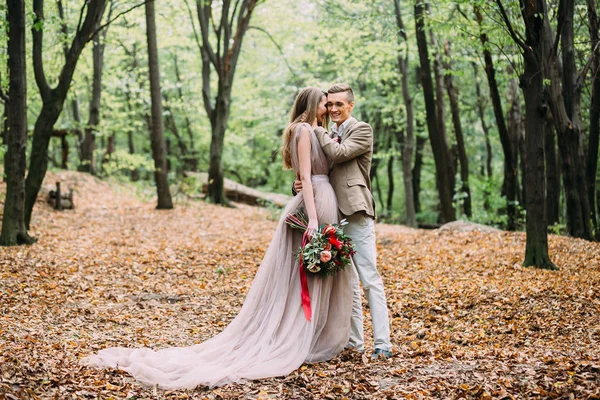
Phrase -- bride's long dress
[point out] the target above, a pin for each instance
(270, 336)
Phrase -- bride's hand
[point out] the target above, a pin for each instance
(313, 225)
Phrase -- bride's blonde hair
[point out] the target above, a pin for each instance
(304, 110)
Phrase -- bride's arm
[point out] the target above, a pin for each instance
(305, 178)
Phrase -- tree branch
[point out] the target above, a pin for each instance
(518, 40)
(285, 60)
(204, 22)
(559, 27)
(193, 25)
(37, 33)
(588, 65)
(110, 21)
(81, 17)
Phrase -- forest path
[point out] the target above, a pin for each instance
(467, 319)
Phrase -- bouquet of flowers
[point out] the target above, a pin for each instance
(328, 251)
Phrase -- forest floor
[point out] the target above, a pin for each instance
(468, 321)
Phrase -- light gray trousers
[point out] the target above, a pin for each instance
(361, 228)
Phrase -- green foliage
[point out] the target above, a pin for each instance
(121, 163)
(291, 44)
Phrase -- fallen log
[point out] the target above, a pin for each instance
(239, 193)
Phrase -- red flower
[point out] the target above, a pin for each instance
(335, 242)
(329, 230)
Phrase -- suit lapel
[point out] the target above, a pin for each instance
(348, 131)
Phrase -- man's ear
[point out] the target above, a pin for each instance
(351, 106)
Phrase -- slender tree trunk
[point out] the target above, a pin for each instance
(13, 219)
(441, 152)
(390, 174)
(416, 172)
(458, 131)
(486, 131)
(594, 137)
(88, 164)
(191, 157)
(510, 186)
(552, 175)
(157, 137)
(74, 100)
(406, 142)
(516, 133)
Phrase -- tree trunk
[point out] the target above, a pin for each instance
(552, 175)
(536, 251)
(458, 131)
(191, 157)
(532, 82)
(157, 136)
(510, 185)
(53, 99)
(13, 220)
(594, 137)
(406, 141)
(229, 32)
(390, 175)
(215, 169)
(486, 131)
(516, 134)
(74, 100)
(88, 163)
(416, 172)
(441, 152)
(565, 105)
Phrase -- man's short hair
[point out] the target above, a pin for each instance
(341, 88)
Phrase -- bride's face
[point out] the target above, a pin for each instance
(322, 109)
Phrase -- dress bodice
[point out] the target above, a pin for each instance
(318, 159)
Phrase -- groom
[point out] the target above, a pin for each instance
(349, 146)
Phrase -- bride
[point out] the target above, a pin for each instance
(271, 336)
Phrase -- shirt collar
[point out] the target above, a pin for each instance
(342, 128)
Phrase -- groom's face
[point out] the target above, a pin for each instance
(339, 108)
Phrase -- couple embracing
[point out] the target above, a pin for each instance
(271, 335)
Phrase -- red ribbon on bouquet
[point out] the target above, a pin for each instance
(304, 283)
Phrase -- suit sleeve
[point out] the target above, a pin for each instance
(360, 142)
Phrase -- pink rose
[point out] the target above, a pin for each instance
(327, 246)
(325, 256)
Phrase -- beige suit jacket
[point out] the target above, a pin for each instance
(351, 160)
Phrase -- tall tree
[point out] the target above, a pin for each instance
(564, 100)
(13, 220)
(552, 174)
(53, 99)
(458, 132)
(64, 27)
(486, 130)
(88, 144)
(406, 140)
(441, 152)
(534, 51)
(510, 186)
(158, 139)
(594, 138)
(222, 37)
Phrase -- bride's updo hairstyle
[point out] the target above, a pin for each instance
(304, 110)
